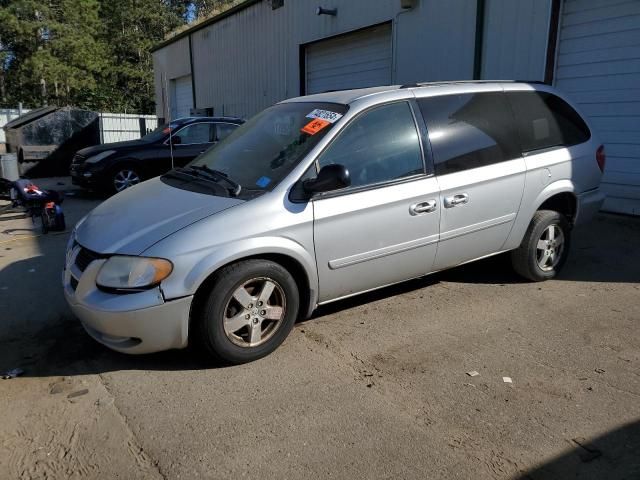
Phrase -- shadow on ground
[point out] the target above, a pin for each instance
(612, 456)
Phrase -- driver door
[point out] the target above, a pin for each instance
(384, 228)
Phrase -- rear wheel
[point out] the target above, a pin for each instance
(545, 246)
(250, 309)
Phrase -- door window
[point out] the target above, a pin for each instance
(470, 130)
(196, 133)
(224, 130)
(378, 146)
(545, 120)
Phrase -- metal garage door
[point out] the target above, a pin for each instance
(599, 67)
(181, 97)
(361, 59)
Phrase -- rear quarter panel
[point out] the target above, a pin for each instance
(553, 171)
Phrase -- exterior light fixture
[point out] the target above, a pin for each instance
(327, 11)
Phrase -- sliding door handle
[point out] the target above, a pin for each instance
(456, 200)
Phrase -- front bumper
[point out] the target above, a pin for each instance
(589, 203)
(141, 322)
(77, 172)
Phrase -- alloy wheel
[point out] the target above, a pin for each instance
(124, 179)
(549, 248)
(254, 312)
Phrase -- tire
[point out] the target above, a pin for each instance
(540, 257)
(245, 339)
(44, 219)
(61, 225)
(125, 175)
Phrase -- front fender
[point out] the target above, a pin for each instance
(529, 207)
(193, 268)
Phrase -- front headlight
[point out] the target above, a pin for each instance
(99, 156)
(123, 272)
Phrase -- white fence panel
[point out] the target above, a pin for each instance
(119, 127)
(6, 115)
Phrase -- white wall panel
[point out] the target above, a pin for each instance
(515, 39)
(598, 65)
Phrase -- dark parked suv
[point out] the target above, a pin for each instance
(116, 166)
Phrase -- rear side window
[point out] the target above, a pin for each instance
(545, 121)
(469, 130)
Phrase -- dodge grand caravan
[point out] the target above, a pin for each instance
(322, 197)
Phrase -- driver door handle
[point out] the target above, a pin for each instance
(456, 200)
(423, 207)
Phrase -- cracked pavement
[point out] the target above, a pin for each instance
(371, 387)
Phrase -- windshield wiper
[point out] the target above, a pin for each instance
(217, 175)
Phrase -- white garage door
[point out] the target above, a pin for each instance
(599, 67)
(181, 97)
(361, 59)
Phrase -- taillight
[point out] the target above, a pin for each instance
(601, 158)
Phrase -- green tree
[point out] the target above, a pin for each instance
(88, 53)
(133, 27)
(50, 52)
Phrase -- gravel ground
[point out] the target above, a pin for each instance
(372, 387)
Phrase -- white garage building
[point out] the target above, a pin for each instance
(263, 51)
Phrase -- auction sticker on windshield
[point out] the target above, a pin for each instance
(314, 126)
(331, 117)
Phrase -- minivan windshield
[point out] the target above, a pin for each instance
(260, 153)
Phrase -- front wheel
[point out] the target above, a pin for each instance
(249, 311)
(545, 246)
(123, 177)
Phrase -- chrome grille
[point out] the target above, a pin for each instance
(85, 257)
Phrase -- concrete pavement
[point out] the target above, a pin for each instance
(373, 387)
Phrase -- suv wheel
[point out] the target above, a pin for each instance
(123, 177)
(250, 309)
(545, 246)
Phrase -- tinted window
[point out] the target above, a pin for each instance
(224, 129)
(545, 121)
(380, 145)
(469, 130)
(196, 133)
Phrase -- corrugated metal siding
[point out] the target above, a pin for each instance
(515, 39)
(598, 65)
(181, 97)
(250, 60)
(119, 127)
(169, 63)
(358, 60)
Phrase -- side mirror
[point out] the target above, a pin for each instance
(175, 139)
(330, 177)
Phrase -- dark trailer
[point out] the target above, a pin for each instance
(46, 138)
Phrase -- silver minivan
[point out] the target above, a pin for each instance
(326, 196)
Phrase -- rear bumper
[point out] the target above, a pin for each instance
(589, 204)
(142, 322)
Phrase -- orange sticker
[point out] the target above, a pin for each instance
(314, 126)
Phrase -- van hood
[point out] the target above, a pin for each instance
(135, 219)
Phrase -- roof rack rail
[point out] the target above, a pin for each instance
(448, 82)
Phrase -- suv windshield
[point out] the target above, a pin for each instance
(162, 131)
(260, 153)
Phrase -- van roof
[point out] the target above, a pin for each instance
(349, 96)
